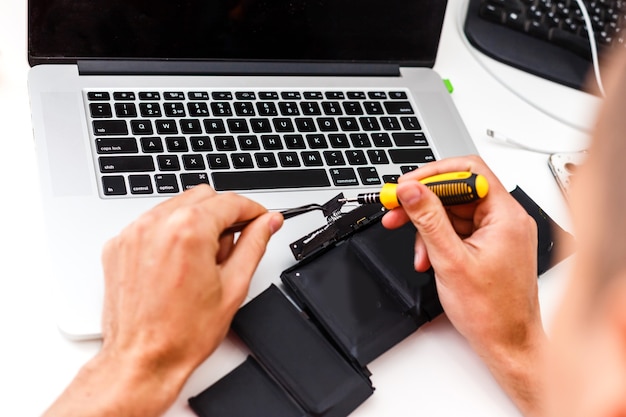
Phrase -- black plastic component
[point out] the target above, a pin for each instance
(528, 53)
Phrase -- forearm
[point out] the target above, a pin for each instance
(110, 386)
(520, 372)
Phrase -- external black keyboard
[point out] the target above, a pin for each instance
(164, 142)
(561, 21)
(547, 38)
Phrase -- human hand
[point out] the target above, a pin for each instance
(173, 282)
(484, 255)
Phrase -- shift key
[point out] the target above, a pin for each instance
(110, 164)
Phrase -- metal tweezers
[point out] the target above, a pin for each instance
(287, 214)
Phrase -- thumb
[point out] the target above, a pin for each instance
(431, 220)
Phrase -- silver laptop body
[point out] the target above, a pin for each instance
(97, 177)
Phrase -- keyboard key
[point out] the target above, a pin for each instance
(166, 183)
(218, 161)
(312, 159)
(222, 95)
(190, 180)
(125, 110)
(360, 140)
(369, 176)
(353, 108)
(266, 109)
(377, 156)
(408, 168)
(313, 95)
(214, 126)
(410, 139)
(245, 95)
(265, 160)
(168, 162)
(198, 95)
(288, 108)
(294, 142)
(116, 145)
(334, 158)
(343, 177)
(100, 110)
(151, 144)
(369, 123)
(149, 95)
(201, 143)
(225, 143)
(356, 157)
(271, 142)
(244, 108)
(289, 159)
(410, 123)
(273, 179)
(174, 109)
(377, 95)
(190, 126)
(268, 95)
(176, 144)
(338, 140)
(390, 123)
(392, 179)
(261, 125)
(327, 124)
(332, 108)
(373, 107)
(193, 162)
(221, 109)
(173, 95)
(242, 160)
(98, 96)
(310, 108)
(140, 184)
(198, 109)
(397, 95)
(348, 124)
(283, 125)
(150, 109)
(290, 95)
(166, 127)
(110, 128)
(113, 185)
(237, 126)
(305, 124)
(317, 141)
(398, 107)
(248, 143)
(124, 96)
(404, 156)
(382, 140)
(126, 164)
(356, 95)
(334, 95)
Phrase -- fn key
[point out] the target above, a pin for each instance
(113, 185)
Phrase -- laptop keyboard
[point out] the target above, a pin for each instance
(164, 142)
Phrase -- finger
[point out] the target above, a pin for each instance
(431, 220)
(226, 245)
(223, 210)
(395, 218)
(247, 252)
(191, 196)
(422, 261)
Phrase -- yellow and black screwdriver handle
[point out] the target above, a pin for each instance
(452, 188)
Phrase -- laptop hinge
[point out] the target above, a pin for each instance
(131, 67)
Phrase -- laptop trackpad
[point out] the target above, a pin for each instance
(67, 156)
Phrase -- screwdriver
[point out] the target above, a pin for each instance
(452, 188)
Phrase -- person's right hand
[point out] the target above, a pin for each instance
(484, 255)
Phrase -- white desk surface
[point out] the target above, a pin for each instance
(432, 373)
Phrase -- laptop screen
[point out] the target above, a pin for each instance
(396, 31)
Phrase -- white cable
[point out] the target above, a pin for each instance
(592, 44)
(510, 141)
(460, 21)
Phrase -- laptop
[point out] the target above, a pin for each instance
(287, 103)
